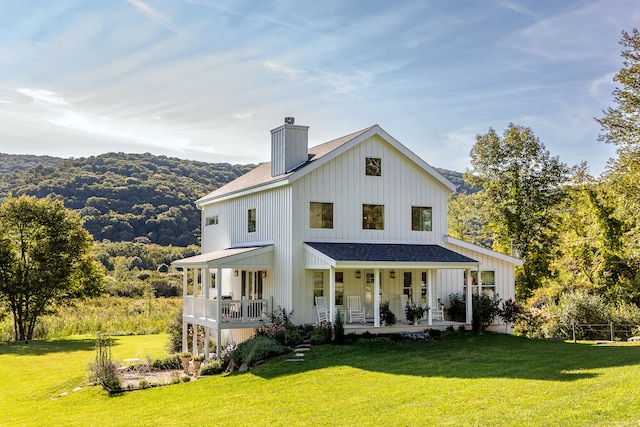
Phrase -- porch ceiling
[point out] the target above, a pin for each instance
(390, 255)
(229, 258)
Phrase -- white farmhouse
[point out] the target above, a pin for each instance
(358, 216)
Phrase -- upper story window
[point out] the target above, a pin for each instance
(211, 220)
(373, 217)
(421, 218)
(320, 215)
(251, 223)
(373, 166)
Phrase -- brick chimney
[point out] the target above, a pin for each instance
(289, 147)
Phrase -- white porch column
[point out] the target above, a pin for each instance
(185, 326)
(206, 278)
(332, 296)
(185, 281)
(185, 331)
(207, 334)
(479, 282)
(468, 296)
(194, 347)
(218, 311)
(429, 299)
(376, 297)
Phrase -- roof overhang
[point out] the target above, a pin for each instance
(227, 258)
(483, 251)
(384, 255)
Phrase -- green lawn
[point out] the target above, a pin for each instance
(468, 380)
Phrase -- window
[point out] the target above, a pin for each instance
(320, 215)
(408, 287)
(488, 283)
(423, 288)
(373, 166)
(251, 226)
(421, 218)
(373, 217)
(318, 285)
(212, 220)
(339, 287)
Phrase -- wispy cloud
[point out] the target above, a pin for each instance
(154, 15)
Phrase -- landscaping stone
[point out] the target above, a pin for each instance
(243, 368)
(633, 339)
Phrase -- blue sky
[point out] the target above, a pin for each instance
(206, 80)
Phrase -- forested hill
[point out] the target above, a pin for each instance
(123, 197)
(130, 197)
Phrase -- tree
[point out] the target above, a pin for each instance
(44, 260)
(524, 184)
(621, 127)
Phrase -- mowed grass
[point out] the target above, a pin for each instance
(467, 380)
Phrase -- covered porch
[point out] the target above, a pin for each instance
(397, 273)
(226, 289)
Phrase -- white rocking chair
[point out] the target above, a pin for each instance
(438, 311)
(356, 311)
(323, 311)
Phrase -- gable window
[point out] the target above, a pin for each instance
(421, 218)
(318, 285)
(373, 217)
(212, 220)
(320, 215)
(373, 166)
(251, 223)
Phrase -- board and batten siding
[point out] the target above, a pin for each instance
(343, 182)
(273, 226)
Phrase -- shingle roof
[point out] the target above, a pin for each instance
(389, 252)
(261, 175)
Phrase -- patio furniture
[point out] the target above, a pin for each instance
(323, 311)
(356, 310)
(438, 311)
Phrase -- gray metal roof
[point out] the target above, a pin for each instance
(390, 252)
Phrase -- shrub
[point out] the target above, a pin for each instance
(103, 369)
(256, 349)
(485, 309)
(170, 362)
(142, 384)
(338, 329)
(457, 310)
(578, 307)
(532, 323)
(211, 367)
(280, 317)
(321, 333)
(386, 315)
(413, 311)
(509, 311)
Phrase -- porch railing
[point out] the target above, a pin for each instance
(233, 311)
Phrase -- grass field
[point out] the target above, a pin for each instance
(468, 380)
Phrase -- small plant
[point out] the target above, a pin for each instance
(413, 311)
(457, 310)
(280, 317)
(142, 384)
(175, 378)
(103, 369)
(185, 355)
(386, 315)
(198, 358)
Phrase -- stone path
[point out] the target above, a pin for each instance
(299, 352)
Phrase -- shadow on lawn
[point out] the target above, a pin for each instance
(41, 347)
(470, 356)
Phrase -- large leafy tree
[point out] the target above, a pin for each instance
(621, 127)
(44, 260)
(523, 183)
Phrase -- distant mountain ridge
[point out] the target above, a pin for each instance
(130, 197)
